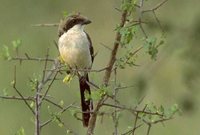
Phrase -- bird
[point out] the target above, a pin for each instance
(76, 50)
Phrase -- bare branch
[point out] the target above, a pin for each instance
(46, 25)
(62, 111)
(114, 50)
(148, 130)
(156, 7)
(37, 113)
(31, 58)
(106, 46)
(14, 87)
(132, 110)
(18, 98)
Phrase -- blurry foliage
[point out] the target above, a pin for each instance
(164, 113)
(33, 82)
(5, 51)
(191, 54)
(188, 104)
(21, 131)
(128, 5)
(152, 45)
(5, 54)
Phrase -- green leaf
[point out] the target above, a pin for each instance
(127, 34)
(65, 14)
(68, 131)
(32, 104)
(98, 94)
(12, 82)
(16, 44)
(61, 103)
(72, 111)
(67, 78)
(95, 95)
(128, 5)
(161, 110)
(150, 44)
(21, 131)
(60, 124)
(174, 108)
(33, 82)
(5, 92)
(5, 54)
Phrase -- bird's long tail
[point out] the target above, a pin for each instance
(86, 104)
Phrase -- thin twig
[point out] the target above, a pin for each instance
(148, 130)
(115, 118)
(132, 110)
(37, 112)
(15, 88)
(62, 111)
(46, 25)
(31, 58)
(49, 86)
(106, 46)
(156, 7)
(135, 124)
(45, 65)
(114, 50)
(18, 98)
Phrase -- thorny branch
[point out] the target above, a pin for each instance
(112, 59)
(15, 88)
(39, 97)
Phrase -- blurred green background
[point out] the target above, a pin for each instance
(173, 78)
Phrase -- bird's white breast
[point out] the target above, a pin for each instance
(74, 48)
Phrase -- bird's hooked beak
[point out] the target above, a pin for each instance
(86, 21)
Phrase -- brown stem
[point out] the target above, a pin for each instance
(114, 50)
(107, 75)
(37, 113)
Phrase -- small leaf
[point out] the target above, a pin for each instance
(150, 44)
(60, 124)
(161, 110)
(67, 79)
(61, 103)
(21, 131)
(95, 95)
(12, 82)
(68, 131)
(5, 92)
(5, 53)
(61, 59)
(16, 44)
(174, 108)
(73, 112)
(65, 14)
(32, 104)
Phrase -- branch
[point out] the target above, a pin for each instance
(18, 98)
(114, 50)
(107, 75)
(15, 88)
(62, 111)
(27, 57)
(37, 113)
(156, 7)
(132, 110)
(46, 25)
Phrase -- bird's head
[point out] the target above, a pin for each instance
(71, 21)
